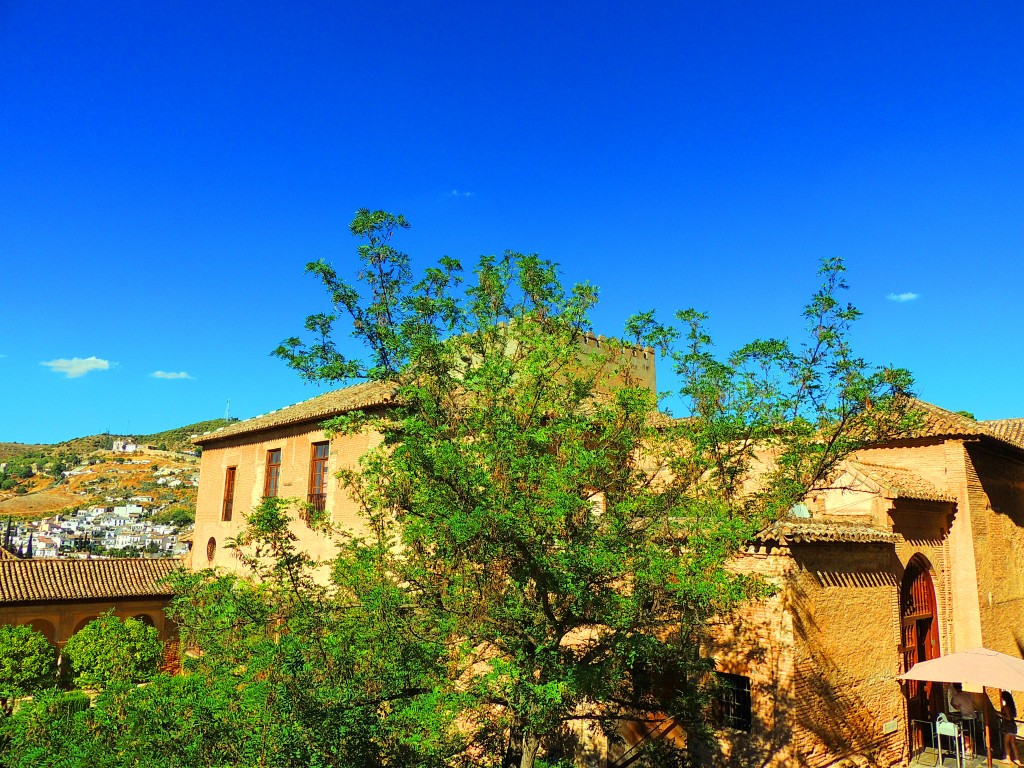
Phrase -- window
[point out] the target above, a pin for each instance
(273, 475)
(229, 494)
(734, 707)
(211, 549)
(318, 476)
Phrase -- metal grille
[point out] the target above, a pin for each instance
(734, 701)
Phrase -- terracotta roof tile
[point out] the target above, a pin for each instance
(901, 483)
(330, 404)
(318, 408)
(1011, 430)
(806, 532)
(51, 580)
(938, 422)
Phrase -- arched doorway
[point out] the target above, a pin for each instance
(919, 626)
(81, 625)
(45, 628)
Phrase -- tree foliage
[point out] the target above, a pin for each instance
(543, 545)
(28, 663)
(110, 649)
(178, 516)
(566, 540)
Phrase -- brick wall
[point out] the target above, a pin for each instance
(996, 492)
(757, 642)
(844, 603)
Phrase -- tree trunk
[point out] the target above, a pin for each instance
(531, 743)
(514, 750)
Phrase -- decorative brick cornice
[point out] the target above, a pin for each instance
(800, 532)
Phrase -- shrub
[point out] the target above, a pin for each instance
(111, 649)
(28, 663)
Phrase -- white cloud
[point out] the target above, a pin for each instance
(908, 296)
(77, 366)
(170, 375)
(456, 193)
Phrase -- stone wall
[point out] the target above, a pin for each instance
(843, 600)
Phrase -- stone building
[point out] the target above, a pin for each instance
(59, 597)
(914, 552)
(910, 554)
(283, 453)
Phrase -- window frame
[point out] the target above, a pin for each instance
(228, 503)
(317, 492)
(272, 470)
(734, 702)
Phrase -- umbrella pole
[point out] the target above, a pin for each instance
(988, 740)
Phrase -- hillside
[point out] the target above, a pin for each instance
(34, 479)
(13, 450)
(102, 479)
(178, 439)
(175, 439)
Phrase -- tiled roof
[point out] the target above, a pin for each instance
(901, 483)
(805, 532)
(330, 404)
(318, 408)
(938, 422)
(5, 555)
(1011, 430)
(53, 580)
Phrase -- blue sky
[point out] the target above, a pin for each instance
(166, 170)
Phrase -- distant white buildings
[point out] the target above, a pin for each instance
(125, 445)
(122, 526)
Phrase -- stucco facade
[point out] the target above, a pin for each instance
(246, 450)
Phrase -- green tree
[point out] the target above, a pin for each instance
(176, 516)
(561, 538)
(51, 730)
(314, 675)
(28, 663)
(110, 649)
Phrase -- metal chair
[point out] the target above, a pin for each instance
(923, 731)
(943, 727)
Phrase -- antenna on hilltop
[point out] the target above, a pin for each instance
(227, 410)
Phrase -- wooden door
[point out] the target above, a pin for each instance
(920, 635)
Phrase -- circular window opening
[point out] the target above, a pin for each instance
(211, 549)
